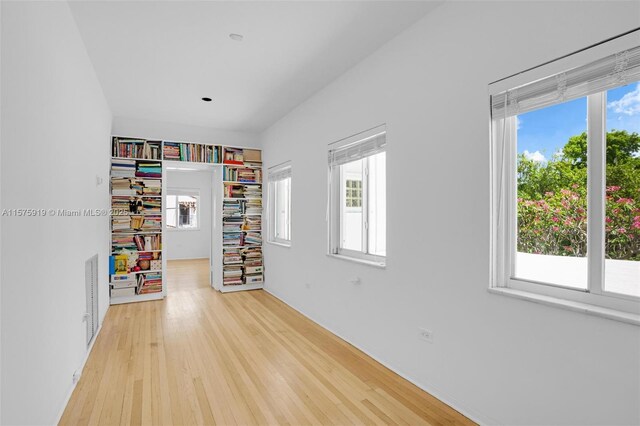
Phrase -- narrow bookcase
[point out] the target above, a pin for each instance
(243, 265)
(136, 264)
(138, 188)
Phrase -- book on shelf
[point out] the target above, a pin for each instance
(150, 282)
(231, 257)
(253, 279)
(122, 223)
(233, 156)
(192, 152)
(232, 208)
(252, 238)
(123, 205)
(148, 169)
(123, 292)
(123, 168)
(242, 175)
(135, 186)
(147, 242)
(252, 223)
(135, 148)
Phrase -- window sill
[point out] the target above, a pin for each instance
(584, 308)
(277, 243)
(361, 261)
(181, 229)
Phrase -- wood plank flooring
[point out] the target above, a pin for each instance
(201, 357)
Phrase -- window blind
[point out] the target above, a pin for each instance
(611, 71)
(340, 153)
(280, 172)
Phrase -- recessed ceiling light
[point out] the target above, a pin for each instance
(236, 37)
(206, 99)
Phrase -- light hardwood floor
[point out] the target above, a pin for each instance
(201, 357)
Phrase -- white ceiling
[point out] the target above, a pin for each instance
(156, 59)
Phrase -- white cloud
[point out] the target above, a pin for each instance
(518, 123)
(629, 104)
(537, 156)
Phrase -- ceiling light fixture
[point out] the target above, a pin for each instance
(206, 99)
(236, 37)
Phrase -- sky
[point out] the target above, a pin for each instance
(543, 132)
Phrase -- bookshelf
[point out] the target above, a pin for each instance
(138, 187)
(136, 264)
(242, 260)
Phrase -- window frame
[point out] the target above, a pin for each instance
(176, 192)
(336, 208)
(595, 299)
(275, 175)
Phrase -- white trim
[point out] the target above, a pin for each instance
(362, 261)
(81, 369)
(286, 244)
(584, 308)
(596, 169)
(471, 413)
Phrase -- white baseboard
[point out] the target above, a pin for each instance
(470, 413)
(84, 362)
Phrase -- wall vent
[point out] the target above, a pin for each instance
(91, 286)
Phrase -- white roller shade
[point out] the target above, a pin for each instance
(357, 148)
(609, 72)
(280, 172)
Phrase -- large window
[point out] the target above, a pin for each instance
(280, 204)
(357, 197)
(566, 189)
(182, 209)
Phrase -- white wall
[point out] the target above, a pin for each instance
(191, 244)
(498, 359)
(55, 141)
(183, 133)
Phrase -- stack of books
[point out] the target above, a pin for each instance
(249, 175)
(123, 168)
(252, 191)
(147, 186)
(121, 186)
(253, 238)
(122, 242)
(171, 151)
(253, 267)
(120, 223)
(232, 224)
(152, 205)
(253, 206)
(121, 205)
(231, 257)
(232, 275)
(149, 169)
(146, 223)
(150, 283)
(252, 223)
(231, 208)
(229, 239)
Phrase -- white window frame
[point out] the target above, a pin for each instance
(191, 192)
(336, 209)
(276, 174)
(595, 300)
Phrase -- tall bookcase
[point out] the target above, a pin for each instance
(137, 265)
(243, 267)
(138, 188)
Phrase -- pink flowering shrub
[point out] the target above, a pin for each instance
(556, 224)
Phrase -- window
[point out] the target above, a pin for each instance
(566, 179)
(357, 197)
(182, 209)
(280, 204)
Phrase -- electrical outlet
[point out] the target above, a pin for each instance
(76, 376)
(356, 281)
(426, 335)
